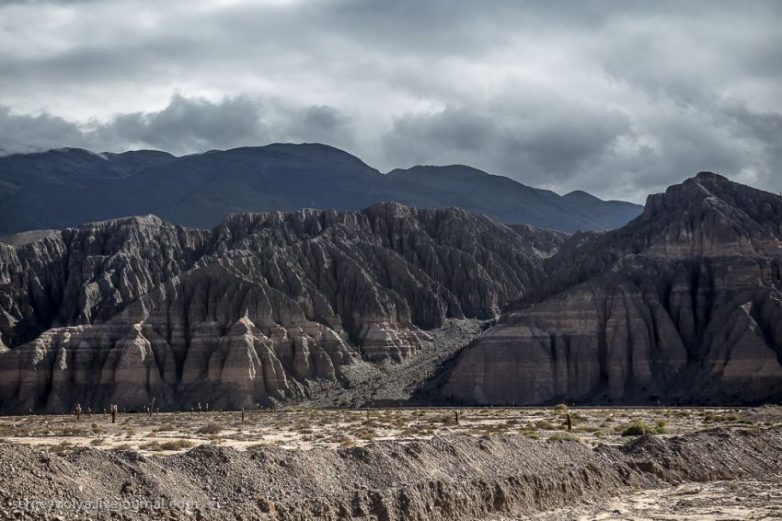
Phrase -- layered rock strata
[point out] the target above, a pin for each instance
(134, 310)
(682, 305)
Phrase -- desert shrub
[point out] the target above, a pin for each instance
(72, 431)
(209, 428)
(639, 428)
(562, 437)
(176, 444)
(366, 434)
(157, 446)
(62, 446)
(546, 425)
(448, 419)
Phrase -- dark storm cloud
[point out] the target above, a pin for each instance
(537, 139)
(184, 126)
(321, 123)
(620, 97)
(25, 133)
(187, 124)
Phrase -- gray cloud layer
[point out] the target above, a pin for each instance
(617, 97)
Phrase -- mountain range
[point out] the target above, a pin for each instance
(263, 307)
(398, 304)
(66, 187)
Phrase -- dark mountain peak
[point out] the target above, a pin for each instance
(299, 148)
(133, 161)
(72, 150)
(704, 184)
(63, 166)
(705, 216)
(61, 153)
(309, 152)
(709, 193)
(143, 153)
(450, 171)
(580, 195)
(711, 176)
(586, 199)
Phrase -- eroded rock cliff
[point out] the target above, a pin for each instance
(684, 304)
(136, 309)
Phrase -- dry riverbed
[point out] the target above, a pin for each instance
(739, 499)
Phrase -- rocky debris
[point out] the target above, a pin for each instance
(545, 242)
(260, 308)
(367, 384)
(454, 477)
(682, 305)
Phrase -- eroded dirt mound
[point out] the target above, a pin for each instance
(457, 477)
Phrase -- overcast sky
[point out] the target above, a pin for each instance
(620, 98)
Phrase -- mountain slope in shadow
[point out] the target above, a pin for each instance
(66, 187)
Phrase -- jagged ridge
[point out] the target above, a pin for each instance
(133, 309)
(683, 304)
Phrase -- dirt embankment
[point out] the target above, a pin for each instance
(457, 477)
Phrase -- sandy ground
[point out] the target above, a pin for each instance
(304, 429)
